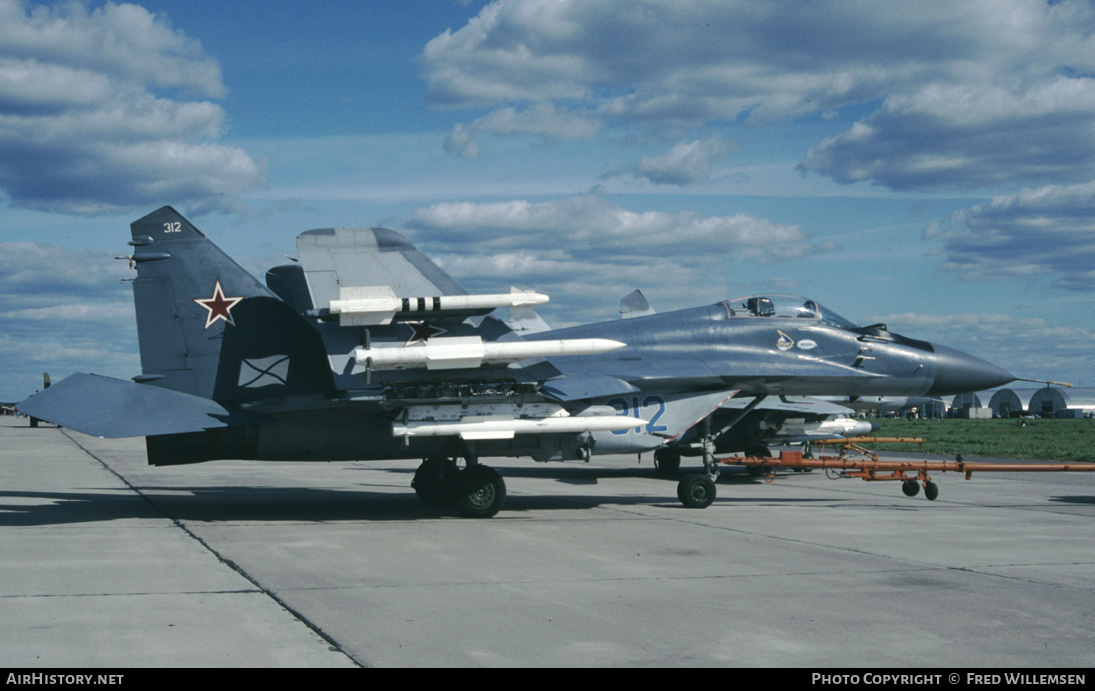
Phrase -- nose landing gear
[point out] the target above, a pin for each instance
(698, 491)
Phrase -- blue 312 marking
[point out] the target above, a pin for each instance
(633, 407)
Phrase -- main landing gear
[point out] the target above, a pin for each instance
(667, 461)
(477, 490)
(697, 491)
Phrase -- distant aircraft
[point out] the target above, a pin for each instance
(367, 350)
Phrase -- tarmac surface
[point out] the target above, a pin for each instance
(107, 562)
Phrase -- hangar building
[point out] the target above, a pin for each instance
(1008, 402)
(969, 405)
(1058, 402)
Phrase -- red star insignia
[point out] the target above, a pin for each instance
(421, 332)
(219, 306)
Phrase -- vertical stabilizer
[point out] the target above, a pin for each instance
(634, 304)
(186, 294)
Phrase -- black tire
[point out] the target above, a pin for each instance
(480, 492)
(667, 461)
(433, 481)
(931, 490)
(696, 491)
(910, 488)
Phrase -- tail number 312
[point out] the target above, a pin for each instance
(651, 408)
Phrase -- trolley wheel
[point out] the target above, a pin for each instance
(931, 490)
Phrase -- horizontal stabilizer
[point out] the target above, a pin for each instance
(107, 407)
(336, 257)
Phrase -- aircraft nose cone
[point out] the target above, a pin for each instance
(958, 372)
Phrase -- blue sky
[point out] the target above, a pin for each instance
(930, 165)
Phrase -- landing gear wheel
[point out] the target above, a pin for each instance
(433, 481)
(666, 461)
(910, 488)
(480, 491)
(931, 490)
(696, 491)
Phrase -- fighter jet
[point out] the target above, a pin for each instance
(365, 349)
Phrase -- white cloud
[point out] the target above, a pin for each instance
(684, 164)
(90, 122)
(601, 251)
(971, 137)
(1027, 347)
(591, 220)
(541, 120)
(31, 269)
(125, 41)
(461, 142)
(504, 54)
(974, 93)
(61, 311)
(90, 314)
(718, 59)
(1039, 234)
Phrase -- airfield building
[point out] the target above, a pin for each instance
(1009, 402)
(1063, 403)
(934, 408)
(969, 405)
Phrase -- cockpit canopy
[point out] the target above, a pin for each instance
(778, 306)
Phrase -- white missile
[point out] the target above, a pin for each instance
(481, 427)
(797, 429)
(458, 352)
(378, 305)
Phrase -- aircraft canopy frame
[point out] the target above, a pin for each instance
(786, 306)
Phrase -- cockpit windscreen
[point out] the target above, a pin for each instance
(786, 307)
